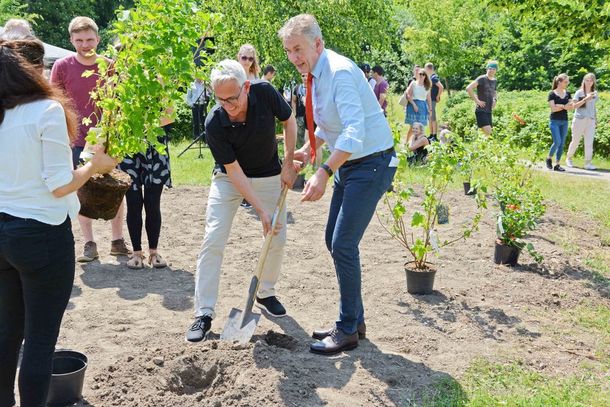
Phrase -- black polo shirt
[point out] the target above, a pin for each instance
(252, 143)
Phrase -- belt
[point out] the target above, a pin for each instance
(367, 157)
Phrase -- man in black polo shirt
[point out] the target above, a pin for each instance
(240, 132)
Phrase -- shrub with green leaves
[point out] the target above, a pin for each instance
(522, 118)
(155, 61)
(415, 231)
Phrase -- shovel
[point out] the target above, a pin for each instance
(241, 324)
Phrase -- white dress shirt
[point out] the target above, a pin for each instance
(35, 159)
(346, 110)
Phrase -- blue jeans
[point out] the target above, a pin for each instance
(36, 277)
(357, 189)
(559, 131)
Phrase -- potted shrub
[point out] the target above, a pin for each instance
(520, 201)
(470, 151)
(416, 231)
(521, 208)
(154, 63)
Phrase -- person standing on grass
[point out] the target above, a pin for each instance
(419, 101)
(37, 203)
(560, 101)
(435, 96)
(248, 58)
(486, 97)
(67, 74)
(584, 121)
(351, 121)
(241, 137)
(381, 88)
(268, 73)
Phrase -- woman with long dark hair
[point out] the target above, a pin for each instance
(37, 202)
(584, 121)
(560, 101)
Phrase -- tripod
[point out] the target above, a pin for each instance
(200, 139)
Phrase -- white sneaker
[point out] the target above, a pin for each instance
(569, 163)
(590, 167)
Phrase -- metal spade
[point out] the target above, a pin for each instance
(241, 324)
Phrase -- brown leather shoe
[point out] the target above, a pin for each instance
(323, 333)
(336, 342)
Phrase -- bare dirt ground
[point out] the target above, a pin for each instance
(131, 324)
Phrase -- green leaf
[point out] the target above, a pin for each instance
(417, 220)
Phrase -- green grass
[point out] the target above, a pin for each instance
(493, 384)
(189, 169)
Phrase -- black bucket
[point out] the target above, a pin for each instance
(467, 190)
(66, 387)
(504, 254)
(420, 282)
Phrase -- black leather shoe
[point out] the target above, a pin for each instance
(321, 334)
(336, 342)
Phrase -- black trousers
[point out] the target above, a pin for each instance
(198, 120)
(36, 277)
(149, 199)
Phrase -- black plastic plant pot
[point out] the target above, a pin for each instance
(467, 190)
(420, 281)
(66, 387)
(504, 254)
(442, 214)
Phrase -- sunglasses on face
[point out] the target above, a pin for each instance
(245, 58)
(422, 74)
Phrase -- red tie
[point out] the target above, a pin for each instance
(309, 117)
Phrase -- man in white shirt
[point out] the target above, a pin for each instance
(351, 121)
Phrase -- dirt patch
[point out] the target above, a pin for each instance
(131, 323)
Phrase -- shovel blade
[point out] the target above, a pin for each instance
(240, 326)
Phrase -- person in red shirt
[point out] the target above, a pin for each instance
(67, 74)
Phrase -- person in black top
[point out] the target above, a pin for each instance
(560, 101)
(485, 99)
(240, 131)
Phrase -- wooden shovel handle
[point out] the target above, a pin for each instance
(276, 214)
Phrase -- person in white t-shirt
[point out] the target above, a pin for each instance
(37, 203)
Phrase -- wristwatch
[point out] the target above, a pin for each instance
(326, 168)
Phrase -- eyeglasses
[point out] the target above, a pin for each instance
(230, 100)
(422, 74)
(245, 58)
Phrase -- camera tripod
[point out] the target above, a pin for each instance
(200, 139)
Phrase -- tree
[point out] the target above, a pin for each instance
(14, 9)
(355, 28)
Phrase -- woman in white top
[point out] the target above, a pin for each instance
(248, 58)
(584, 120)
(37, 201)
(420, 102)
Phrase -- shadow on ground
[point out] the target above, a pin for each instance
(176, 286)
(316, 380)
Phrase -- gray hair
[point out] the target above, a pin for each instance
(303, 24)
(17, 29)
(228, 70)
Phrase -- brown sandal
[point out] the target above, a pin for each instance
(136, 262)
(157, 261)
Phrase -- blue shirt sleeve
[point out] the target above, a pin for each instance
(351, 113)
